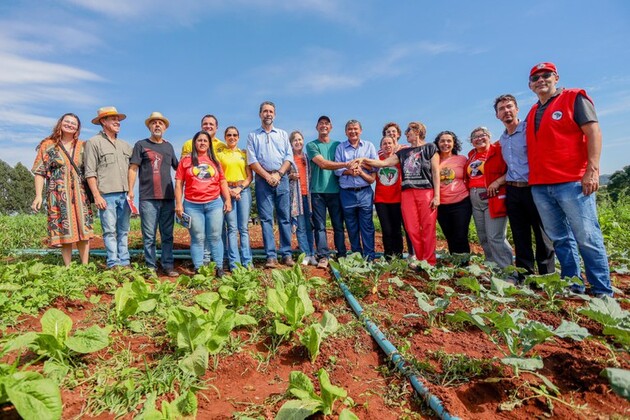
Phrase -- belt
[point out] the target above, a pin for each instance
(357, 189)
(519, 184)
(236, 184)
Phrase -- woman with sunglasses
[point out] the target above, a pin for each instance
(199, 187)
(485, 176)
(239, 177)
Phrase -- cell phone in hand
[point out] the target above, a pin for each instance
(483, 195)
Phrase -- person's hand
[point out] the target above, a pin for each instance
(274, 179)
(100, 202)
(227, 206)
(37, 204)
(493, 189)
(237, 197)
(179, 210)
(435, 202)
(130, 195)
(590, 182)
(234, 192)
(294, 176)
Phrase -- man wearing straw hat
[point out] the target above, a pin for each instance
(106, 166)
(152, 158)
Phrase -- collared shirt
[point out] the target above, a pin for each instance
(270, 149)
(345, 153)
(108, 161)
(514, 151)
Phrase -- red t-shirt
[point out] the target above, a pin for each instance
(202, 183)
(387, 184)
(475, 170)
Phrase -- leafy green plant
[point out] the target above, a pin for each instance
(314, 334)
(616, 321)
(308, 402)
(138, 296)
(554, 286)
(33, 396)
(56, 344)
(290, 304)
(354, 270)
(619, 381)
(28, 286)
(202, 279)
(183, 407)
(518, 334)
(241, 287)
(431, 307)
(197, 333)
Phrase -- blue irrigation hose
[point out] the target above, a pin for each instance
(391, 352)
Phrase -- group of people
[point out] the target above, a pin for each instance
(540, 176)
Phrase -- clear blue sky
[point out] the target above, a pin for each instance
(441, 63)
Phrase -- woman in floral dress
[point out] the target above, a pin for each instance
(69, 212)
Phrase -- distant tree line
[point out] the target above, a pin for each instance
(17, 188)
(619, 184)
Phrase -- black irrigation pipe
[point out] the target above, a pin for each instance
(392, 353)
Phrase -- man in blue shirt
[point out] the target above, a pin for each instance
(521, 210)
(270, 155)
(355, 190)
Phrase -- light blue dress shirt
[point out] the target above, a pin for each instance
(346, 152)
(270, 150)
(514, 151)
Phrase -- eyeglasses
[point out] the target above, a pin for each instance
(535, 77)
(479, 137)
(231, 135)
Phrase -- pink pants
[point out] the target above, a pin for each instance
(420, 221)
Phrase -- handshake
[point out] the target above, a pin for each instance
(356, 166)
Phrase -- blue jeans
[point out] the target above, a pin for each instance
(237, 221)
(206, 222)
(357, 212)
(570, 221)
(319, 203)
(304, 231)
(154, 213)
(269, 198)
(115, 224)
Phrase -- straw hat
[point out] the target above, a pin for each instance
(107, 111)
(156, 116)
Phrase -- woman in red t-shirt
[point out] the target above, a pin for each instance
(387, 201)
(486, 172)
(200, 182)
(455, 208)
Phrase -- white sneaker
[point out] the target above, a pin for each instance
(306, 261)
(313, 260)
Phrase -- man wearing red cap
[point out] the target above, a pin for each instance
(564, 145)
(106, 166)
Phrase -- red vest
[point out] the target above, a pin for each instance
(557, 151)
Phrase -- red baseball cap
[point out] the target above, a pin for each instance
(543, 67)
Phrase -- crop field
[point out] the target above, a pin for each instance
(86, 342)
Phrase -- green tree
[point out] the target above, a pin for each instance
(17, 188)
(619, 184)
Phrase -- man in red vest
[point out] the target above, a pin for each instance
(564, 145)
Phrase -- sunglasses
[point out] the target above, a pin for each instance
(545, 76)
(231, 135)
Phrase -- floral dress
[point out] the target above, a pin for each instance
(70, 216)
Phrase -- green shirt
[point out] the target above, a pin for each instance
(323, 181)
